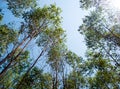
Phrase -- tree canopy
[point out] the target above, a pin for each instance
(54, 66)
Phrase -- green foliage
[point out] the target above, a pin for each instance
(102, 39)
(101, 34)
(41, 18)
(7, 37)
(57, 49)
(36, 79)
(93, 29)
(86, 4)
(100, 72)
(19, 6)
(51, 35)
(75, 80)
(13, 76)
(72, 59)
(45, 22)
(67, 69)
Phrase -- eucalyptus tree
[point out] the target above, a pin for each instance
(46, 40)
(17, 69)
(101, 32)
(36, 21)
(7, 37)
(39, 23)
(100, 72)
(108, 18)
(36, 79)
(75, 78)
(54, 61)
(56, 52)
(102, 36)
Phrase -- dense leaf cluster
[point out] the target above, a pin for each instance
(54, 66)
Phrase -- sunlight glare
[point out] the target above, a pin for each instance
(115, 4)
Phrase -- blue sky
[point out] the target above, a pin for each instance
(72, 18)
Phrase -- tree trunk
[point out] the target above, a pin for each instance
(19, 86)
(13, 51)
(9, 64)
(5, 69)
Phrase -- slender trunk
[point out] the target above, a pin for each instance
(5, 69)
(53, 85)
(75, 84)
(106, 50)
(110, 55)
(64, 86)
(9, 64)
(14, 51)
(56, 83)
(56, 76)
(112, 32)
(19, 86)
(36, 60)
(15, 58)
(106, 86)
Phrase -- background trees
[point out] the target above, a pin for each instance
(63, 69)
(100, 30)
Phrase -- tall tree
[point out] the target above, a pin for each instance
(17, 69)
(36, 79)
(75, 78)
(35, 23)
(100, 29)
(100, 36)
(105, 75)
(55, 55)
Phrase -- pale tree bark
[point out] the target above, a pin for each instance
(31, 35)
(13, 51)
(29, 69)
(9, 64)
